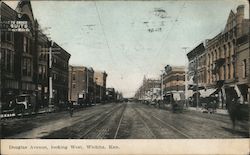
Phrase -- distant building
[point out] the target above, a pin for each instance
(82, 85)
(149, 90)
(60, 74)
(174, 78)
(91, 85)
(41, 67)
(111, 94)
(174, 83)
(77, 83)
(196, 74)
(100, 80)
(197, 66)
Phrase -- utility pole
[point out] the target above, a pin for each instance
(100, 94)
(71, 82)
(87, 89)
(50, 75)
(196, 80)
(162, 71)
(186, 74)
(50, 67)
(1, 79)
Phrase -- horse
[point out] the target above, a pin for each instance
(237, 111)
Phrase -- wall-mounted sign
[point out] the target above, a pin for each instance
(15, 26)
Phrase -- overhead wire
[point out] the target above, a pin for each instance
(104, 34)
(170, 30)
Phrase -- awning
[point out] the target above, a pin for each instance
(194, 87)
(216, 92)
(207, 93)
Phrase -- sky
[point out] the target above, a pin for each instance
(131, 39)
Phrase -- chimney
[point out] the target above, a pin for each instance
(239, 19)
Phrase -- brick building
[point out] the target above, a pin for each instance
(111, 94)
(24, 57)
(196, 75)
(225, 56)
(81, 84)
(100, 81)
(174, 78)
(197, 66)
(242, 63)
(60, 74)
(17, 52)
(149, 90)
(77, 85)
(9, 81)
(41, 67)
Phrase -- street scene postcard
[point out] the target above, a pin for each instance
(124, 77)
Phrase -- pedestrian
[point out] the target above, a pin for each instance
(70, 108)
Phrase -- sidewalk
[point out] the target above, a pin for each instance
(218, 111)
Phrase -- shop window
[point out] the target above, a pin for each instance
(8, 67)
(2, 58)
(2, 36)
(44, 71)
(54, 76)
(8, 36)
(28, 67)
(24, 67)
(54, 60)
(40, 71)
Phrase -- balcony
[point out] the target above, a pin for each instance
(218, 63)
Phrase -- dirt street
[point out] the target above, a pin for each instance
(124, 121)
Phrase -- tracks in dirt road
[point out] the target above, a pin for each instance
(99, 131)
(120, 121)
(53, 127)
(191, 126)
(165, 126)
(149, 130)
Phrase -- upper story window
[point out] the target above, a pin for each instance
(40, 70)
(54, 76)
(244, 68)
(26, 67)
(26, 45)
(54, 60)
(7, 36)
(2, 36)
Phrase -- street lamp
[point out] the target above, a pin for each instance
(50, 75)
(162, 71)
(196, 81)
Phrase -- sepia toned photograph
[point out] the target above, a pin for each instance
(124, 70)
